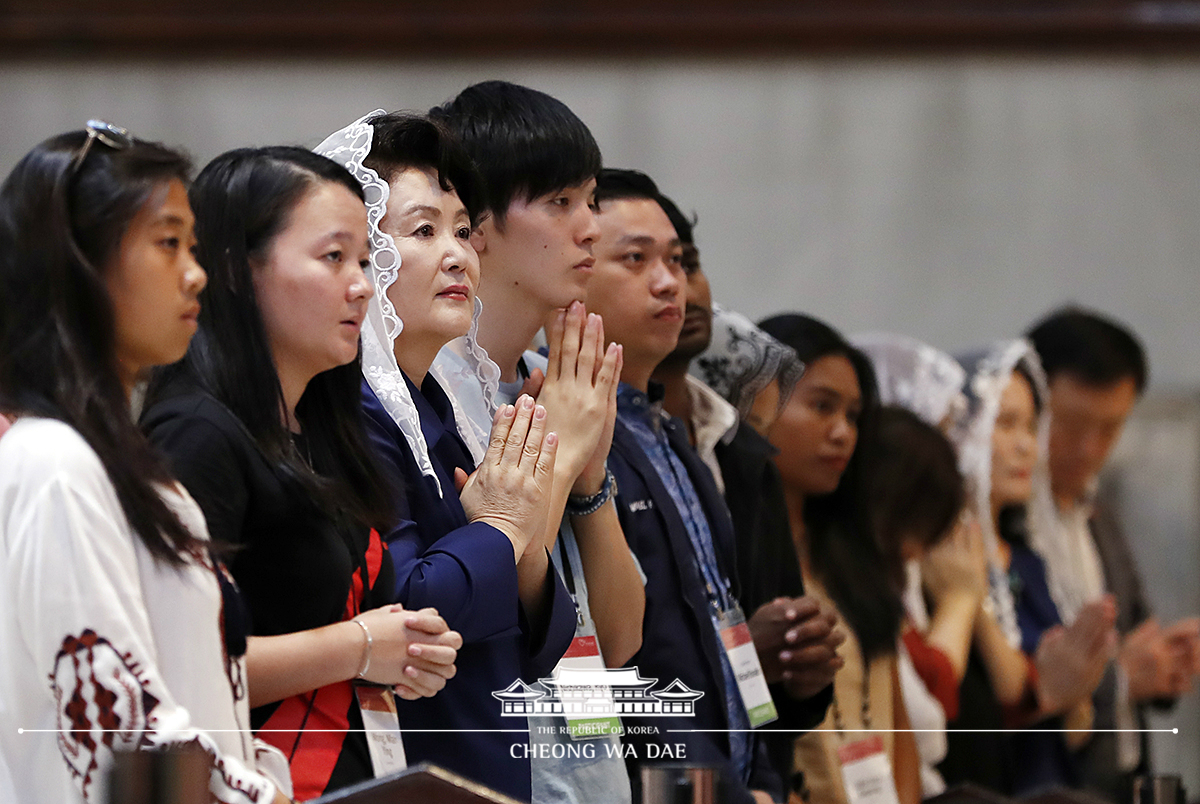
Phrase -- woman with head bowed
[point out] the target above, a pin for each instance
(918, 495)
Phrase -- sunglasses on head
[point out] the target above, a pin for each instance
(114, 137)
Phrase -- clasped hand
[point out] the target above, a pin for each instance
(511, 488)
(579, 392)
(1071, 661)
(796, 641)
(413, 651)
(1161, 661)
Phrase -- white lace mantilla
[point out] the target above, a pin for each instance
(989, 375)
(915, 375)
(350, 147)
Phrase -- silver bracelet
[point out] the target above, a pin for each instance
(582, 506)
(367, 653)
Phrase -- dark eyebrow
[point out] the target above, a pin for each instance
(426, 208)
(646, 240)
(170, 219)
(828, 391)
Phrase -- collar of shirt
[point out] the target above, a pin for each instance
(1085, 505)
(645, 405)
(713, 419)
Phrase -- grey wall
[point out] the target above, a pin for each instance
(950, 198)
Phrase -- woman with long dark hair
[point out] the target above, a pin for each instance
(119, 629)
(262, 423)
(825, 436)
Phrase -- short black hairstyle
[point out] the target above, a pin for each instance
(405, 141)
(683, 226)
(525, 143)
(621, 184)
(614, 184)
(1091, 346)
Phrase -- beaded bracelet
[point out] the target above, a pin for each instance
(367, 653)
(582, 506)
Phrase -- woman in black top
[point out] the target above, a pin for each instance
(261, 422)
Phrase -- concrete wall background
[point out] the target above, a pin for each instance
(951, 198)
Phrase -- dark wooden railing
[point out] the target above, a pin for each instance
(625, 28)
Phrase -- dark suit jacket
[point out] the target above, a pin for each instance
(465, 571)
(678, 639)
(1098, 759)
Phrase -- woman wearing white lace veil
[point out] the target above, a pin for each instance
(927, 381)
(1002, 451)
(479, 561)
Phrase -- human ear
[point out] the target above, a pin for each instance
(479, 236)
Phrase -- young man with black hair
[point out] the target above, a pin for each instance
(1097, 371)
(796, 639)
(539, 163)
(670, 509)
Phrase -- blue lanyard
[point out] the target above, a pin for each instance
(717, 585)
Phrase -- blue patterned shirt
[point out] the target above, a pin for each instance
(644, 417)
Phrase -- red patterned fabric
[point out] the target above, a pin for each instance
(935, 669)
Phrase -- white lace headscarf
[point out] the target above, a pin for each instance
(914, 375)
(350, 147)
(988, 374)
(741, 360)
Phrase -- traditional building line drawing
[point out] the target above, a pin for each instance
(621, 692)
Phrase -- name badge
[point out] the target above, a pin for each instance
(588, 709)
(382, 725)
(866, 772)
(747, 670)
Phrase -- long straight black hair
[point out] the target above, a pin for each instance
(242, 200)
(61, 225)
(841, 542)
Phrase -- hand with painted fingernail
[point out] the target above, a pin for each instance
(510, 489)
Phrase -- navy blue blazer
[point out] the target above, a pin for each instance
(465, 571)
(678, 639)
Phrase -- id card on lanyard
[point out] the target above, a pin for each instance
(866, 772)
(382, 725)
(589, 710)
(747, 670)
